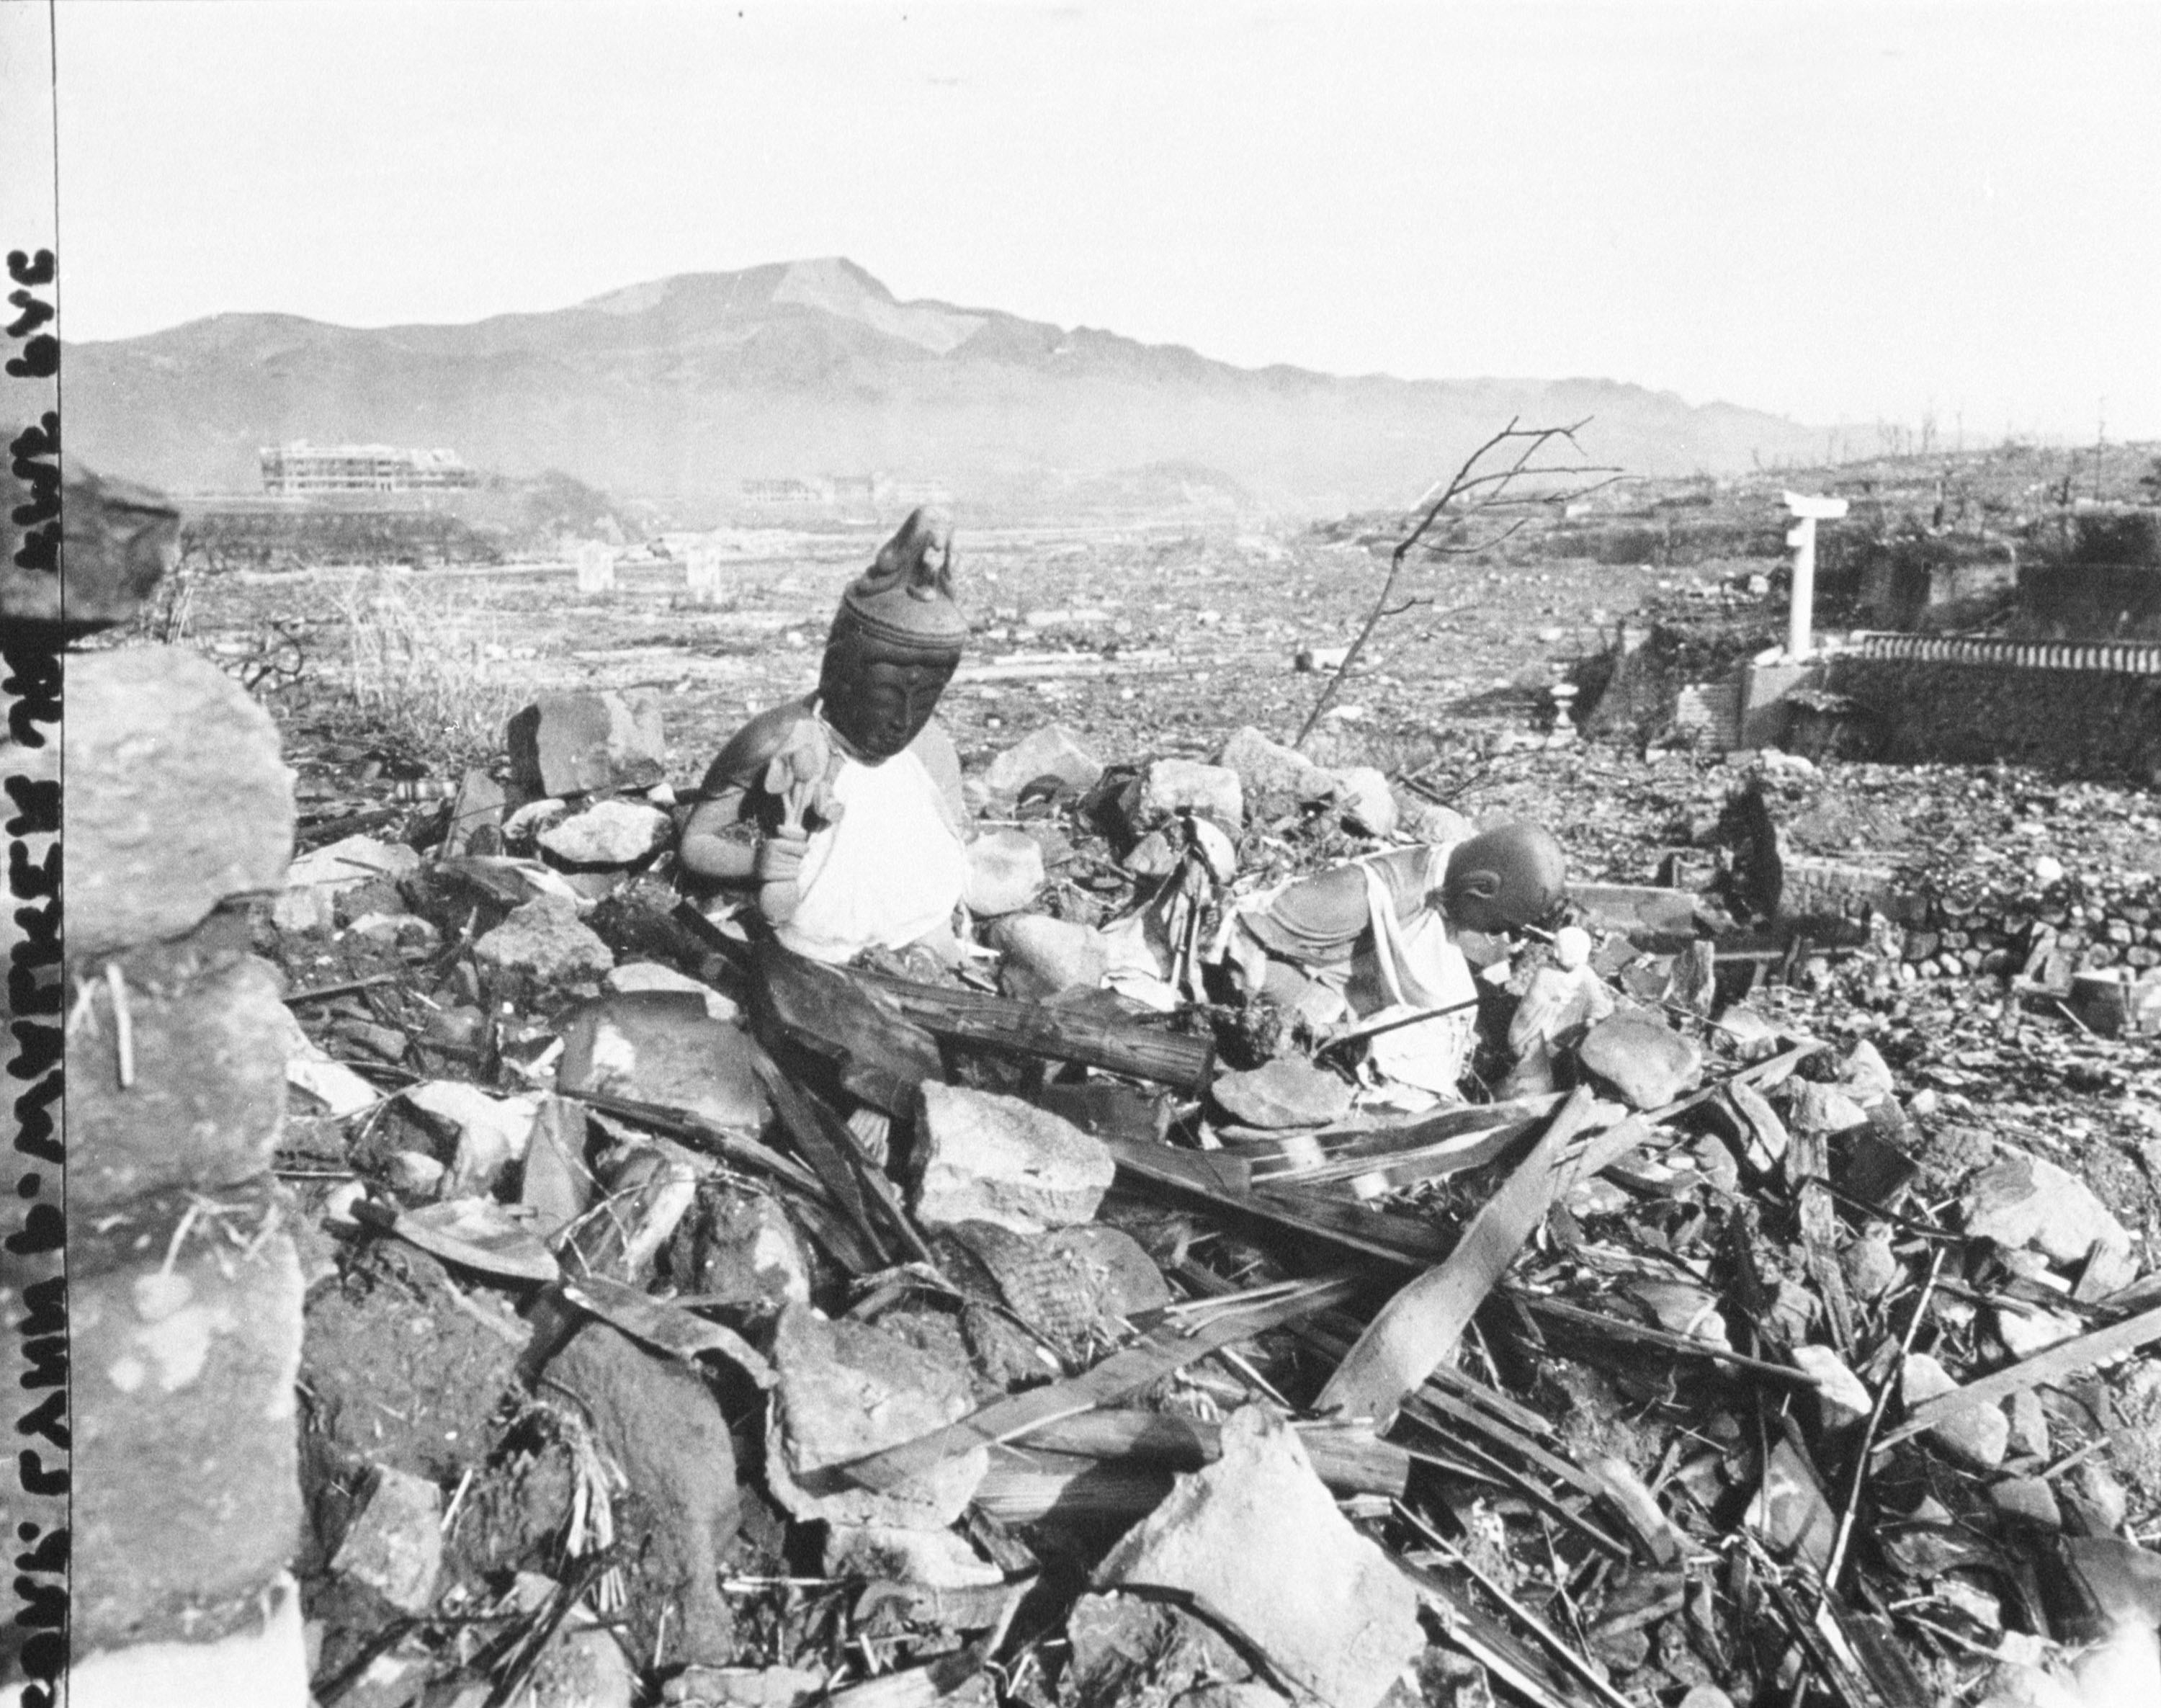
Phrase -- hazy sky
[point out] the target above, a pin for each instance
(1835, 211)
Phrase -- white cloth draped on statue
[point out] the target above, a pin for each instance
(889, 871)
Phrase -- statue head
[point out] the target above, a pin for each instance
(895, 643)
(1504, 878)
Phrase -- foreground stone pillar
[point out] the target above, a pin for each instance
(185, 1284)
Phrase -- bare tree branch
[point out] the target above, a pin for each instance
(1477, 488)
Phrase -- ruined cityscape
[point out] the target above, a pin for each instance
(775, 997)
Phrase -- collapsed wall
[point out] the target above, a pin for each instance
(184, 1282)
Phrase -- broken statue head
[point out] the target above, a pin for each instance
(895, 643)
(1504, 878)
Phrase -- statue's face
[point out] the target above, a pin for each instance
(878, 705)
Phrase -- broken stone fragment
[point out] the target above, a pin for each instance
(2028, 1500)
(652, 975)
(1287, 1092)
(486, 1134)
(1005, 870)
(261, 1663)
(587, 743)
(2030, 1425)
(659, 1423)
(1978, 1435)
(1648, 1064)
(1052, 752)
(1839, 1392)
(309, 907)
(1789, 1511)
(662, 1047)
(1870, 1265)
(1257, 1542)
(1369, 809)
(2022, 1199)
(394, 1545)
(2026, 1330)
(744, 1687)
(747, 1255)
(1132, 1649)
(121, 538)
(609, 833)
(176, 797)
(1818, 1108)
(1273, 777)
(851, 1388)
(350, 862)
(1044, 956)
(1170, 786)
(1865, 1074)
(985, 1157)
(543, 938)
(476, 825)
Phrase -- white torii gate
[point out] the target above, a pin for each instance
(1807, 509)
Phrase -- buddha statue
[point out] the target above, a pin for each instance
(840, 812)
(1379, 945)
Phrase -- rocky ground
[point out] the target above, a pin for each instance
(1903, 1171)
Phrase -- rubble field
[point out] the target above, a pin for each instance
(688, 1324)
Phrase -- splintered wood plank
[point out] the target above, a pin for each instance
(1421, 1324)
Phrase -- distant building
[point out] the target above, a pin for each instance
(787, 493)
(837, 493)
(298, 467)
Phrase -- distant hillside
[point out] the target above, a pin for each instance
(677, 390)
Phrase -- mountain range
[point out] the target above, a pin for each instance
(679, 390)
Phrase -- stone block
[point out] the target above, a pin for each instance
(1170, 786)
(1368, 807)
(851, 1388)
(985, 1157)
(1053, 751)
(1647, 1064)
(588, 743)
(2022, 1199)
(186, 1320)
(1255, 1539)
(663, 1047)
(652, 975)
(120, 539)
(747, 1254)
(1287, 1092)
(483, 1134)
(1043, 956)
(1274, 777)
(394, 1545)
(476, 815)
(206, 1034)
(1005, 870)
(263, 1663)
(545, 938)
(609, 833)
(349, 862)
(176, 799)
(1976, 1435)
(659, 1423)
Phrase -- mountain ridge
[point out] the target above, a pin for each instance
(677, 389)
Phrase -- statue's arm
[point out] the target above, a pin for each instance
(718, 843)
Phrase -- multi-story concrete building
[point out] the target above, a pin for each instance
(298, 467)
